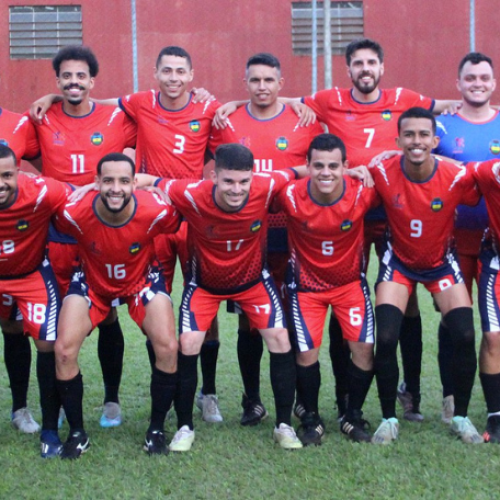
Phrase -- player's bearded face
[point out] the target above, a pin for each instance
(74, 81)
(115, 202)
(365, 70)
(116, 185)
(8, 181)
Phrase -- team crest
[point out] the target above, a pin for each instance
(346, 225)
(3, 142)
(58, 138)
(256, 226)
(282, 143)
(436, 205)
(22, 225)
(96, 139)
(386, 115)
(195, 126)
(495, 147)
(134, 248)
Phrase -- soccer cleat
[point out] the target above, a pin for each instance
(312, 430)
(155, 443)
(355, 427)
(50, 444)
(409, 404)
(23, 421)
(182, 440)
(387, 431)
(463, 428)
(299, 411)
(61, 418)
(448, 409)
(111, 415)
(285, 436)
(209, 406)
(492, 432)
(253, 411)
(77, 443)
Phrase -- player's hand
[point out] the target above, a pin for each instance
(159, 192)
(80, 192)
(453, 108)
(41, 106)
(202, 95)
(385, 155)
(306, 115)
(362, 174)
(221, 115)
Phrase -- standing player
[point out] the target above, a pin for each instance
(73, 135)
(420, 195)
(325, 215)
(26, 277)
(473, 134)
(270, 130)
(115, 229)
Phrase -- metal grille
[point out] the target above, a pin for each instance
(346, 25)
(38, 32)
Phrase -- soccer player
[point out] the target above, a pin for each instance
(73, 135)
(16, 132)
(27, 279)
(420, 195)
(226, 240)
(325, 214)
(270, 130)
(473, 134)
(115, 229)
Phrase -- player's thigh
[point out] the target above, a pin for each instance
(392, 293)
(276, 339)
(452, 297)
(159, 321)
(74, 325)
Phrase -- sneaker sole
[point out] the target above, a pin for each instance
(255, 421)
(106, 423)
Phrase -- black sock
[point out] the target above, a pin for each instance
(308, 384)
(110, 349)
(17, 355)
(410, 342)
(283, 378)
(445, 356)
(388, 319)
(250, 350)
(151, 354)
(491, 390)
(71, 394)
(359, 385)
(49, 396)
(163, 386)
(187, 380)
(208, 361)
(340, 356)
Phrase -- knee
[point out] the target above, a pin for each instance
(189, 344)
(388, 320)
(491, 343)
(65, 352)
(461, 325)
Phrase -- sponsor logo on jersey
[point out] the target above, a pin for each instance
(396, 202)
(22, 225)
(495, 147)
(3, 142)
(195, 126)
(256, 226)
(436, 204)
(346, 225)
(245, 141)
(134, 248)
(386, 115)
(58, 138)
(349, 116)
(282, 143)
(460, 142)
(93, 248)
(96, 139)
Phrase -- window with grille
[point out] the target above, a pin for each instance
(346, 25)
(38, 32)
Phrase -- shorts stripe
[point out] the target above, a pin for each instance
(368, 331)
(187, 320)
(276, 319)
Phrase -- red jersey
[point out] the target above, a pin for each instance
(24, 225)
(117, 259)
(365, 128)
(326, 241)
(226, 249)
(71, 146)
(17, 132)
(421, 214)
(170, 143)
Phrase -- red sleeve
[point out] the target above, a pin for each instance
(319, 102)
(32, 149)
(131, 103)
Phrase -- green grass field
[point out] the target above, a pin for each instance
(228, 461)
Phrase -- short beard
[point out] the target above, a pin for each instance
(115, 210)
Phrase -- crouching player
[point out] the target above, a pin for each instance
(114, 229)
(325, 213)
(26, 277)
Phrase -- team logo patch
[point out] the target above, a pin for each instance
(256, 226)
(495, 147)
(195, 126)
(22, 225)
(3, 142)
(282, 143)
(386, 115)
(58, 138)
(134, 248)
(346, 225)
(96, 139)
(436, 204)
